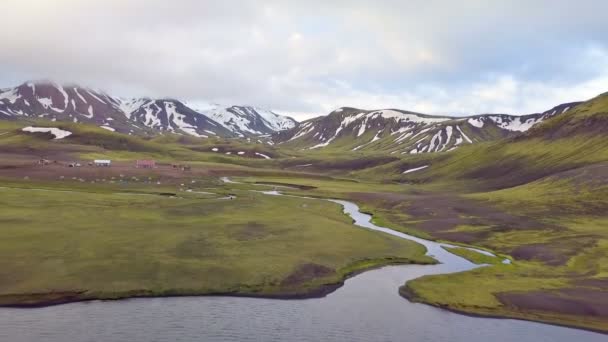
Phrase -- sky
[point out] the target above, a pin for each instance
(307, 58)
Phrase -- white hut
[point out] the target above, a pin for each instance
(102, 162)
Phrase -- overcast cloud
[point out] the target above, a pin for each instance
(307, 58)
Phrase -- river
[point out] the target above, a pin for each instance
(367, 308)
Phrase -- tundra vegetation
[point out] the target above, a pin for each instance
(539, 198)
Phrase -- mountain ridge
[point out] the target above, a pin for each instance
(406, 132)
(138, 116)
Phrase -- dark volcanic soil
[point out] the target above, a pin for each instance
(574, 301)
(440, 214)
(305, 273)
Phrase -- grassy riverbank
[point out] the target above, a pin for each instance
(62, 246)
(554, 229)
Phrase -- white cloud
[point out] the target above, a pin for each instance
(311, 57)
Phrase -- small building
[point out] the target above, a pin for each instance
(102, 162)
(145, 164)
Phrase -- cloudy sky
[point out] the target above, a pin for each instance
(309, 57)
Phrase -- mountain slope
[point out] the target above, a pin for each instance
(141, 116)
(403, 132)
(248, 121)
(573, 140)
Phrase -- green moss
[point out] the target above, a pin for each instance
(473, 256)
(110, 245)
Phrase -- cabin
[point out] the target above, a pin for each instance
(145, 164)
(102, 162)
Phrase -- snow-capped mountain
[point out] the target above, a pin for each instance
(404, 132)
(142, 116)
(248, 121)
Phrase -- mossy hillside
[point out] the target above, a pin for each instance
(566, 257)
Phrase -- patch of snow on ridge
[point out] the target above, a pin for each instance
(435, 137)
(233, 121)
(422, 131)
(94, 96)
(262, 155)
(515, 124)
(464, 135)
(80, 96)
(350, 119)
(90, 111)
(415, 169)
(362, 128)
(477, 122)
(151, 119)
(108, 128)
(565, 109)
(178, 119)
(403, 137)
(306, 128)
(64, 94)
(376, 137)
(449, 131)
(46, 102)
(275, 121)
(10, 95)
(58, 133)
(129, 106)
(323, 144)
(393, 114)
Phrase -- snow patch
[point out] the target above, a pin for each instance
(10, 95)
(393, 114)
(64, 94)
(262, 155)
(58, 133)
(477, 122)
(464, 135)
(515, 123)
(45, 102)
(108, 128)
(80, 96)
(415, 169)
(95, 96)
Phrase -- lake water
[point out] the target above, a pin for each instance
(367, 308)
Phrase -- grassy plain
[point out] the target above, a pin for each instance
(78, 244)
(540, 198)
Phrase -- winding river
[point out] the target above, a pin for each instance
(367, 308)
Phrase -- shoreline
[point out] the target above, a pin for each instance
(69, 297)
(407, 293)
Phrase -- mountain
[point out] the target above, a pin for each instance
(142, 116)
(248, 121)
(566, 143)
(405, 132)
